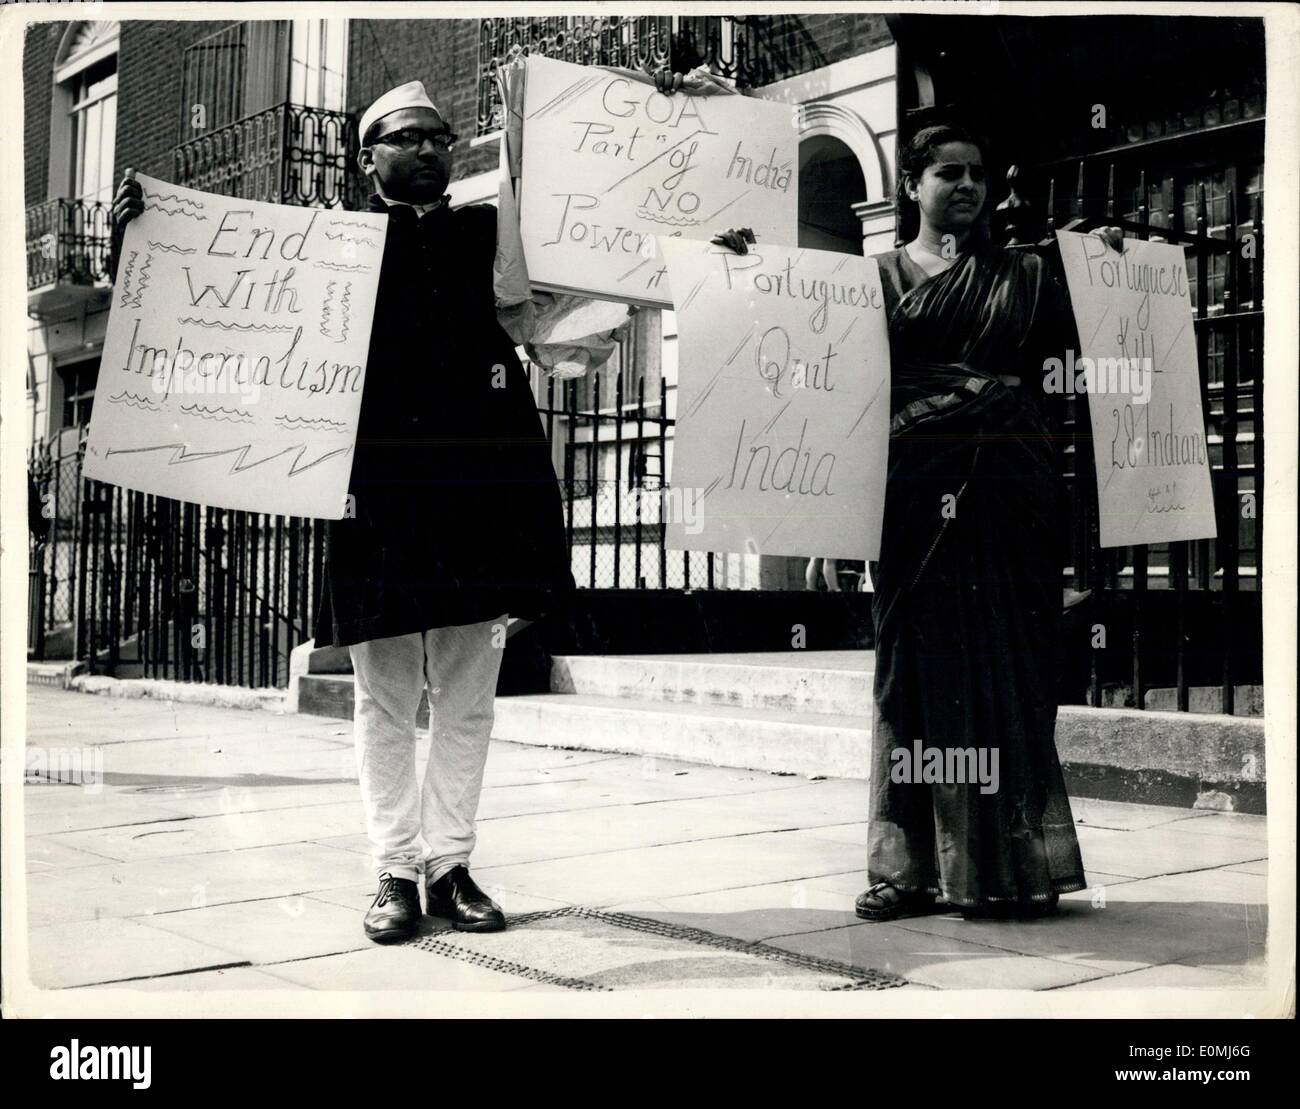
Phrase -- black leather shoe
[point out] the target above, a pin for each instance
(395, 913)
(456, 897)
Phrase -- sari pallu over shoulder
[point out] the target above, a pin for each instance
(951, 336)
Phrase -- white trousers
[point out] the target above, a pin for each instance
(459, 666)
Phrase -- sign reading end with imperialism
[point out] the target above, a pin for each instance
(609, 163)
(782, 433)
(1138, 367)
(235, 353)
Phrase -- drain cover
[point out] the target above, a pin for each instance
(588, 949)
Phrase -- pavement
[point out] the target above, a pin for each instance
(206, 848)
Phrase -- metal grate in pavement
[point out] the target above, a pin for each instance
(460, 946)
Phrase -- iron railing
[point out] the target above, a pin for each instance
(67, 240)
(612, 453)
(153, 587)
(1187, 613)
(233, 73)
(749, 50)
(285, 154)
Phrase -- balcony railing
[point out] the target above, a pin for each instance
(67, 241)
(749, 50)
(287, 154)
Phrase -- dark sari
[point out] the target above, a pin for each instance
(967, 603)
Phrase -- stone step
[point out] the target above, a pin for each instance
(335, 694)
(1170, 758)
(834, 682)
(792, 742)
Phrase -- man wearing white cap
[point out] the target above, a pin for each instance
(457, 525)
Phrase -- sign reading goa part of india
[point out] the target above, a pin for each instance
(236, 350)
(609, 163)
(782, 432)
(1139, 367)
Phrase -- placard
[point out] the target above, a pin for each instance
(609, 163)
(782, 433)
(1138, 368)
(235, 355)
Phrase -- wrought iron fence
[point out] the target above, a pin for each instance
(285, 154)
(749, 50)
(612, 454)
(1189, 613)
(67, 240)
(146, 586)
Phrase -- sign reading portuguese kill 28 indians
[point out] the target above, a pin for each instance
(236, 352)
(609, 163)
(782, 432)
(1139, 369)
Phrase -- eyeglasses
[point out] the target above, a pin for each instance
(412, 138)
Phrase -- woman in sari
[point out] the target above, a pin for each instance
(968, 588)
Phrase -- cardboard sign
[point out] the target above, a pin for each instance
(609, 163)
(1139, 369)
(782, 434)
(236, 352)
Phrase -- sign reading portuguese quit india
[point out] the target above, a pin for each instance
(236, 351)
(782, 433)
(1139, 368)
(609, 163)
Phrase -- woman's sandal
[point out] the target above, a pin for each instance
(871, 905)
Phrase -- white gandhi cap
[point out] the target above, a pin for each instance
(409, 95)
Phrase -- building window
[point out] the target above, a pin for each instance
(83, 122)
(318, 63)
(94, 130)
(78, 392)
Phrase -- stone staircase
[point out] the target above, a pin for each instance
(800, 712)
(809, 712)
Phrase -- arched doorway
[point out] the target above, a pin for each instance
(831, 182)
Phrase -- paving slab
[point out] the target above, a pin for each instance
(393, 968)
(753, 912)
(216, 833)
(45, 854)
(619, 876)
(1127, 816)
(1142, 923)
(1147, 852)
(89, 952)
(45, 813)
(931, 960)
(1232, 825)
(1166, 976)
(274, 930)
(230, 978)
(148, 886)
(517, 839)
